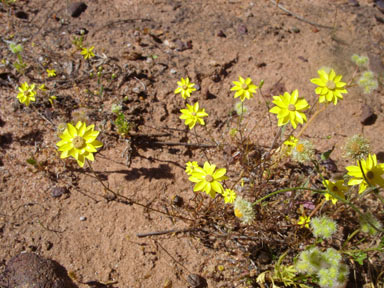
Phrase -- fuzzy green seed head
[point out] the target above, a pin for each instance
(243, 209)
(332, 256)
(15, 48)
(309, 261)
(116, 108)
(360, 60)
(240, 108)
(303, 151)
(366, 228)
(368, 82)
(323, 227)
(357, 147)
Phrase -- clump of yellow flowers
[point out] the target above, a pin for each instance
(79, 141)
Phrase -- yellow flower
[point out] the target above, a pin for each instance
(208, 180)
(229, 196)
(51, 98)
(51, 73)
(337, 188)
(369, 174)
(244, 88)
(43, 88)
(27, 93)
(193, 114)
(304, 221)
(291, 141)
(330, 86)
(289, 107)
(87, 52)
(185, 88)
(79, 142)
(190, 167)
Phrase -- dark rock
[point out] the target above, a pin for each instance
(21, 15)
(76, 8)
(295, 30)
(221, 34)
(57, 191)
(368, 117)
(31, 270)
(196, 281)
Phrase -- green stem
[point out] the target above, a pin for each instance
(354, 207)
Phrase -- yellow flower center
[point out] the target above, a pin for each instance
(208, 178)
(335, 189)
(331, 85)
(300, 148)
(370, 175)
(292, 107)
(238, 214)
(193, 113)
(244, 86)
(184, 87)
(78, 142)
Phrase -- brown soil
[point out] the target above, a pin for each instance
(150, 45)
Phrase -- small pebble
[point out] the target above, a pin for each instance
(173, 71)
(221, 34)
(57, 191)
(242, 29)
(83, 218)
(196, 281)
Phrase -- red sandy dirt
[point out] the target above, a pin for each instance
(211, 42)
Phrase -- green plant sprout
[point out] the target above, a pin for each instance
(19, 64)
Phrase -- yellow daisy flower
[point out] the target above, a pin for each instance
(79, 142)
(192, 115)
(26, 93)
(185, 88)
(330, 86)
(190, 167)
(337, 188)
(51, 73)
(229, 196)
(304, 221)
(368, 175)
(208, 180)
(244, 88)
(289, 107)
(87, 52)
